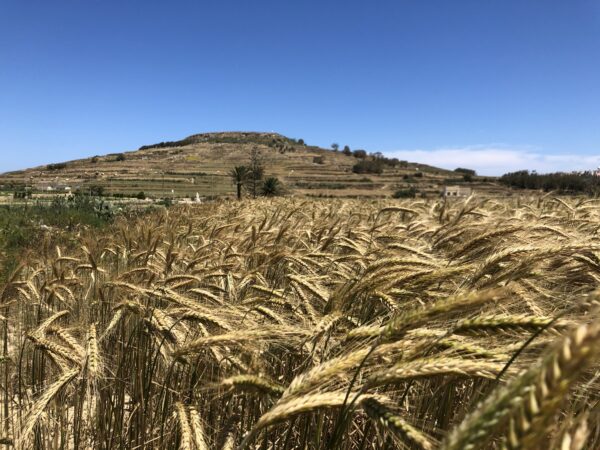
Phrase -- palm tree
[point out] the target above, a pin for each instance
(271, 187)
(239, 176)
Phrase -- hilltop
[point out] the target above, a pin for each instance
(200, 164)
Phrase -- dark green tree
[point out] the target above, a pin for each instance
(256, 171)
(465, 171)
(271, 187)
(239, 176)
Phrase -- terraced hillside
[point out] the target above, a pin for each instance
(200, 164)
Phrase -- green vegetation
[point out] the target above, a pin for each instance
(368, 166)
(360, 154)
(466, 171)
(56, 166)
(23, 226)
(256, 171)
(251, 178)
(564, 183)
(405, 193)
(22, 193)
(410, 178)
(239, 176)
(271, 187)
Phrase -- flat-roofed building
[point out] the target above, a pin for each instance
(457, 191)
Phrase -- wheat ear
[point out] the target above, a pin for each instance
(185, 443)
(40, 405)
(532, 398)
(379, 412)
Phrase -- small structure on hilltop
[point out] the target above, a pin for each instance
(457, 191)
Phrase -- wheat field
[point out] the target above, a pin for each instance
(294, 324)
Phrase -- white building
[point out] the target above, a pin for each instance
(457, 191)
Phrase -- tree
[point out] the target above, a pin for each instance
(256, 170)
(405, 193)
(301, 142)
(465, 171)
(96, 190)
(271, 187)
(364, 166)
(347, 151)
(335, 146)
(57, 166)
(582, 182)
(239, 176)
(360, 154)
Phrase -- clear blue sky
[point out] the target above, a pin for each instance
(496, 85)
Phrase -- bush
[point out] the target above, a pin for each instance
(365, 166)
(120, 157)
(361, 154)
(271, 187)
(467, 177)
(96, 190)
(301, 142)
(141, 196)
(466, 171)
(57, 166)
(318, 160)
(347, 151)
(405, 193)
(22, 194)
(94, 160)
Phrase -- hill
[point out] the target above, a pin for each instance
(200, 164)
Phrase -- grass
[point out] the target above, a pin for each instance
(304, 324)
(26, 226)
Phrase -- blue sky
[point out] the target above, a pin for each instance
(496, 85)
